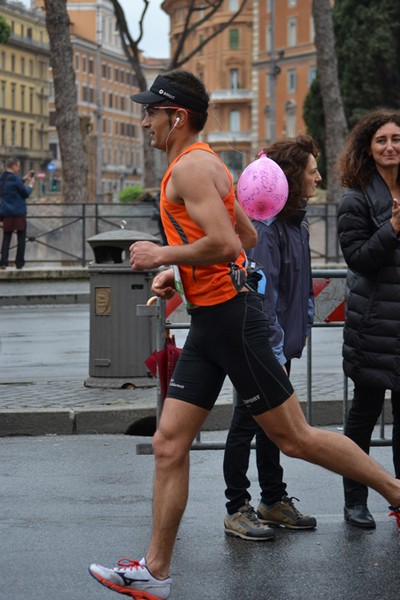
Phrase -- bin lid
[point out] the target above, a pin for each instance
(113, 246)
(122, 235)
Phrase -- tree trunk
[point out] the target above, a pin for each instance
(335, 120)
(74, 162)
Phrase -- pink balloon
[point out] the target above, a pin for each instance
(262, 189)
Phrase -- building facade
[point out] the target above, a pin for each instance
(284, 66)
(224, 65)
(258, 72)
(24, 89)
(110, 120)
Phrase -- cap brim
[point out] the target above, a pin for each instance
(146, 97)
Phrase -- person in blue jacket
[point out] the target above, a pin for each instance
(14, 191)
(283, 251)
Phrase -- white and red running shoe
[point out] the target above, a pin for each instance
(395, 512)
(132, 578)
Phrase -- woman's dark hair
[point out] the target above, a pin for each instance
(292, 156)
(356, 166)
(187, 82)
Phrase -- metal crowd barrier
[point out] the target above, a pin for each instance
(335, 308)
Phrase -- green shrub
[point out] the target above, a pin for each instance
(131, 193)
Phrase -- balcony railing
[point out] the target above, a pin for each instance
(231, 95)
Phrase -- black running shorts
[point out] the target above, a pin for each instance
(231, 339)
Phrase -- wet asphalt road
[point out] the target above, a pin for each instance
(69, 501)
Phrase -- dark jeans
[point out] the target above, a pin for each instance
(5, 247)
(362, 418)
(236, 461)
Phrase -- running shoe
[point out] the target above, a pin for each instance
(395, 512)
(132, 578)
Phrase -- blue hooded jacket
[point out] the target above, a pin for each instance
(283, 250)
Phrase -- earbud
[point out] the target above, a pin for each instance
(177, 120)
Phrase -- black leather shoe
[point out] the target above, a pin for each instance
(359, 516)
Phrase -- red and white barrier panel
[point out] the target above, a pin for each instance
(329, 300)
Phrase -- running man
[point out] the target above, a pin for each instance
(228, 335)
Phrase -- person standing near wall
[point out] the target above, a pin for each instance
(284, 252)
(14, 191)
(369, 235)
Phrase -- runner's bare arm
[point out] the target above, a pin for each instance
(200, 182)
(247, 233)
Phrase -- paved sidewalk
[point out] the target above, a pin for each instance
(54, 405)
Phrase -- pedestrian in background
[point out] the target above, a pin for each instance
(284, 252)
(13, 192)
(369, 234)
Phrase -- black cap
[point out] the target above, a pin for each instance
(162, 89)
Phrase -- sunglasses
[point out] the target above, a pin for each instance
(149, 110)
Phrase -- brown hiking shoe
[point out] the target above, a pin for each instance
(245, 524)
(285, 514)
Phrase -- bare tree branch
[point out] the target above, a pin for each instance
(176, 61)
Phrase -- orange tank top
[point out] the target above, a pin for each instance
(200, 285)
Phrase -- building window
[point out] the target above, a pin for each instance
(104, 71)
(312, 73)
(43, 69)
(52, 118)
(267, 85)
(110, 100)
(91, 95)
(3, 132)
(292, 32)
(3, 94)
(84, 64)
(91, 66)
(3, 60)
(84, 93)
(116, 74)
(31, 68)
(22, 98)
(13, 138)
(290, 110)
(13, 85)
(31, 136)
(29, 33)
(31, 90)
(268, 37)
(312, 30)
(12, 62)
(53, 150)
(234, 39)
(291, 81)
(22, 65)
(22, 135)
(233, 79)
(234, 121)
(268, 124)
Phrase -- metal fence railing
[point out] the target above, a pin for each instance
(158, 311)
(57, 233)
